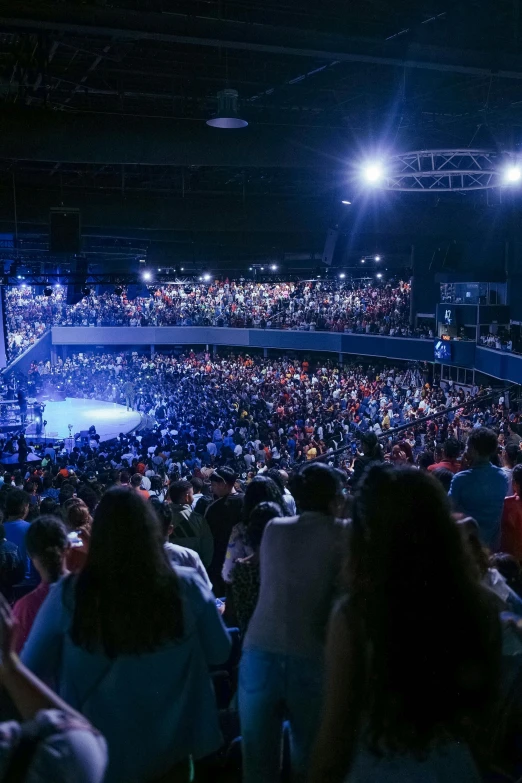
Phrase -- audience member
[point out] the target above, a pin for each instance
(222, 516)
(129, 626)
(281, 668)
(385, 718)
(190, 530)
(479, 491)
(511, 522)
(47, 546)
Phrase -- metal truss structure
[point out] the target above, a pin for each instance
(445, 170)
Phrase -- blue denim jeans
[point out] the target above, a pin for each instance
(274, 688)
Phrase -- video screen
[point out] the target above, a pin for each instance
(442, 350)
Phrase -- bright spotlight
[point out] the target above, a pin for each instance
(345, 201)
(261, 268)
(342, 275)
(249, 268)
(378, 275)
(57, 285)
(513, 174)
(147, 276)
(373, 172)
(377, 258)
(206, 276)
(181, 269)
(363, 260)
(273, 267)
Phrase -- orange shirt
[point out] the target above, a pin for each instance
(511, 527)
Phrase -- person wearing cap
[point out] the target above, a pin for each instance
(222, 515)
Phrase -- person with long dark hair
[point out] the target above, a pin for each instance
(414, 651)
(128, 643)
(261, 489)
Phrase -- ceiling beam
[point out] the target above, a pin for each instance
(268, 39)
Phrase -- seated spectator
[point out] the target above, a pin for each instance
(511, 522)
(12, 566)
(47, 546)
(129, 626)
(479, 492)
(450, 457)
(384, 718)
(281, 667)
(54, 742)
(244, 577)
(190, 530)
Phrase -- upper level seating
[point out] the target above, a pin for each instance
(308, 305)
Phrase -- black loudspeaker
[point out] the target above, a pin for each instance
(64, 231)
(332, 235)
(75, 290)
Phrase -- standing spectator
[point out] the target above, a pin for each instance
(511, 523)
(222, 515)
(17, 508)
(400, 704)
(129, 626)
(480, 491)
(371, 452)
(281, 670)
(450, 457)
(190, 529)
(136, 484)
(12, 566)
(178, 555)
(244, 578)
(47, 546)
(509, 458)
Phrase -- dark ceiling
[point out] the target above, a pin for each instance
(104, 107)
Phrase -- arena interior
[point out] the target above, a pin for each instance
(261, 391)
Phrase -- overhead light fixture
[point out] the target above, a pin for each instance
(377, 258)
(249, 268)
(57, 285)
(378, 275)
(363, 260)
(273, 267)
(147, 275)
(181, 269)
(206, 276)
(227, 113)
(513, 174)
(342, 275)
(373, 172)
(261, 268)
(344, 201)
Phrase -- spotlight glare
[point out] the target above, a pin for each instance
(206, 276)
(513, 174)
(377, 258)
(181, 269)
(342, 275)
(273, 267)
(362, 260)
(379, 275)
(249, 268)
(344, 201)
(57, 285)
(262, 268)
(373, 172)
(147, 276)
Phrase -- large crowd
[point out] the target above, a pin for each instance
(332, 554)
(256, 410)
(171, 622)
(310, 305)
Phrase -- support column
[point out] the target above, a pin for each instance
(265, 353)
(152, 351)
(340, 358)
(214, 350)
(54, 355)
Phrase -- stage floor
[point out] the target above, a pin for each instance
(109, 418)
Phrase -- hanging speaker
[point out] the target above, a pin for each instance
(64, 231)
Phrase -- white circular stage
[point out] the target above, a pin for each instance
(109, 418)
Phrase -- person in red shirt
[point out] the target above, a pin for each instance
(47, 546)
(511, 522)
(450, 454)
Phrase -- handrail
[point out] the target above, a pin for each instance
(417, 422)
